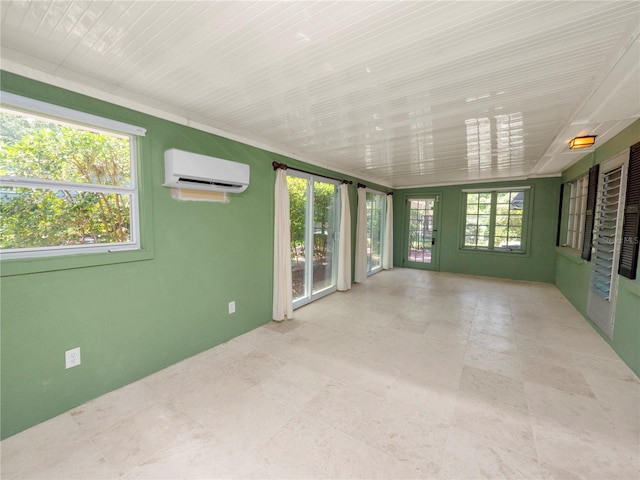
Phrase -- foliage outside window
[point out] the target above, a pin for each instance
(421, 228)
(577, 212)
(494, 220)
(376, 204)
(307, 195)
(66, 187)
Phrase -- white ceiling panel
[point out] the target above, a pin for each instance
(400, 93)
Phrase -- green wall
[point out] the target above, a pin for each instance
(572, 273)
(132, 318)
(538, 264)
(133, 315)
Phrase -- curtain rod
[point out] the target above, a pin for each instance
(362, 185)
(283, 166)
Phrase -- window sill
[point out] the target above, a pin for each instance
(495, 251)
(570, 254)
(25, 266)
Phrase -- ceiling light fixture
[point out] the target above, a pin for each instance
(582, 142)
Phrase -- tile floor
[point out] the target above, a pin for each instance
(414, 375)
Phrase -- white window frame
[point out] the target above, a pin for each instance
(74, 118)
(372, 271)
(494, 193)
(310, 296)
(577, 213)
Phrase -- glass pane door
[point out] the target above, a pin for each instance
(298, 194)
(324, 226)
(375, 228)
(313, 207)
(421, 238)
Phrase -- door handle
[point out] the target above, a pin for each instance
(433, 241)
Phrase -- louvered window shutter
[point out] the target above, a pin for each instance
(606, 225)
(590, 213)
(631, 224)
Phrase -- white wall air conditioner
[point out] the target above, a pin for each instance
(200, 172)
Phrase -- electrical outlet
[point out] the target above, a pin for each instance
(72, 357)
(232, 307)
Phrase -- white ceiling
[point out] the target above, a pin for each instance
(399, 93)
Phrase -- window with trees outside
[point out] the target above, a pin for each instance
(67, 186)
(494, 220)
(376, 208)
(314, 215)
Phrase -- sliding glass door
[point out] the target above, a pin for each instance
(313, 212)
(376, 208)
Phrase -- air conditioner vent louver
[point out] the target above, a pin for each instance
(193, 180)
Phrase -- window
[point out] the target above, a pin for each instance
(577, 212)
(376, 208)
(314, 207)
(494, 220)
(69, 181)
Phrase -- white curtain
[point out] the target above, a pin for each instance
(387, 254)
(360, 274)
(344, 242)
(282, 291)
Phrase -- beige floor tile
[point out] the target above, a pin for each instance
(247, 419)
(414, 374)
(551, 472)
(137, 438)
(489, 328)
(495, 423)
(494, 343)
(114, 407)
(469, 457)
(489, 306)
(570, 380)
(308, 448)
(293, 385)
(545, 332)
(48, 441)
(373, 375)
(437, 400)
(448, 333)
(413, 436)
(251, 340)
(188, 376)
(588, 454)
(284, 326)
(493, 387)
(491, 318)
(620, 400)
(205, 399)
(491, 361)
(537, 349)
(580, 339)
(199, 454)
(592, 365)
(442, 371)
(81, 462)
(567, 408)
(252, 368)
